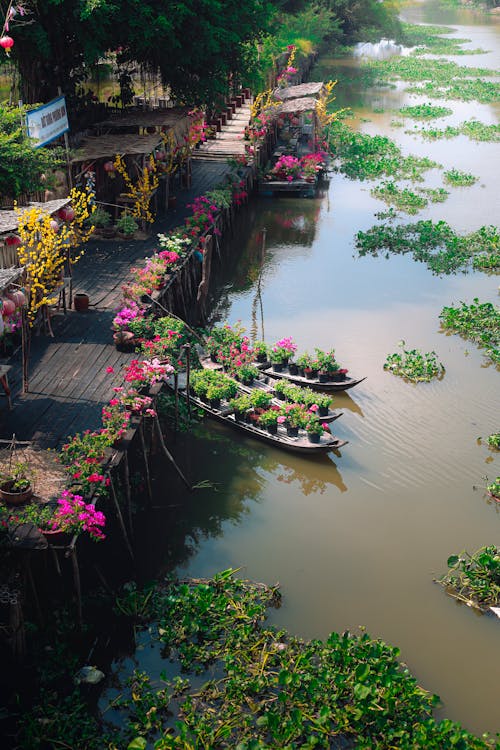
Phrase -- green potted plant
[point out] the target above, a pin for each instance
(15, 483)
(126, 226)
(241, 406)
(101, 221)
(269, 420)
(260, 399)
(261, 351)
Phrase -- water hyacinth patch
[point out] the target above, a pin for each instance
(478, 322)
(474, 579)
(414, 366)
(494, 488)
(494, 440)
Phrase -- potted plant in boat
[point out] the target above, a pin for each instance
(126, 226)
(269, 420)
(281, 352)
(246, 373)
(241, 406)
(260, 399)
(296, 417)
(314, 429)
(15, 484)
(261, 351)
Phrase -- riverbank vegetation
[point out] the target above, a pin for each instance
(473, 129)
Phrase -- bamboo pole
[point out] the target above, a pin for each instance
(169, 455)
(120, 517)
(146, 460)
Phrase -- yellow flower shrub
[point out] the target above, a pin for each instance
(142, 191)
(44, 250)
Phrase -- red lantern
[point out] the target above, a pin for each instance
(7, 43)
(18, 298)
(54, 225)
(13, 240)
(8, 307)
(66, 213)
(109, 167)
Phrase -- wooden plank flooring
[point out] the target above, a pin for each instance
(68, 383)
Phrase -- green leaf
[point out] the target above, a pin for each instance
(452, 560)
(139, 743)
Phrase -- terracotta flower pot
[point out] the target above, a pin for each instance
(81, 302)
(14, 498)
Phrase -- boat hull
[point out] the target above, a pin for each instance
(330, 386)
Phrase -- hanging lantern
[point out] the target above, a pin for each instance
(13, 240)
(8, 307)
(18, 297)
(7, 43)
(54, 225)
(109, 167)
(66, 213)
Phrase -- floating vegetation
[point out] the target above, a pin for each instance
(494, 440)
(434, 243)
(409, 201)
(474, 579)
(365, 157)
(412, 365)
(473, 129)
(459, 179)
(479, 322)
(438, 78)
(494, 489)
(429, 39)
(246, 685)
(425, 111)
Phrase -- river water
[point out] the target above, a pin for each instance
(357, 538)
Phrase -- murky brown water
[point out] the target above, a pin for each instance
(357, 539)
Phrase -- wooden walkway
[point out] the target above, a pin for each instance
(229, 142)
(68, 380)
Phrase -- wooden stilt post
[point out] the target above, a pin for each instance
(187, 347)
(120, 517)
(169, 455)
(78, 589)
(146, 460)
(176, 396)
(128, 493)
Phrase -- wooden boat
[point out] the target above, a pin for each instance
(266, 384)
(281, 439)
(314, 383)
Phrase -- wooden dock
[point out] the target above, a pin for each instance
(68, 382)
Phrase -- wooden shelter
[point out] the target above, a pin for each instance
(139, 122)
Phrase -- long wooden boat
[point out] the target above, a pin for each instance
(281, 439)
(314, 383)
(264, 383)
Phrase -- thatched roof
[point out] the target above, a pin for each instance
(9, 276)
(9, 220)
(296, 92)
(296, 106)
(106, 146)
(176, 120)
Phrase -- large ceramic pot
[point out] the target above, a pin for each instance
(81, 302)
(12, 497)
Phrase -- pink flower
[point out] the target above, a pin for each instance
(110, 369)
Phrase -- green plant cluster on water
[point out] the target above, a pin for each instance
(459, 179)
(473, 129)
(424, 111)
(494, 488)
(474, 579)
(434, 243)
(494, 440)
(404, 199)
(478, 322)
(430, 40)
(362, 156)
(438, 78)
(249, 686)
(413, 365)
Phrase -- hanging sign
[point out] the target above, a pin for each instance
(48, 122)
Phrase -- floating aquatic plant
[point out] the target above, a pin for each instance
(459, 179)
(413, 365)
(478, 322)
(474, 579)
